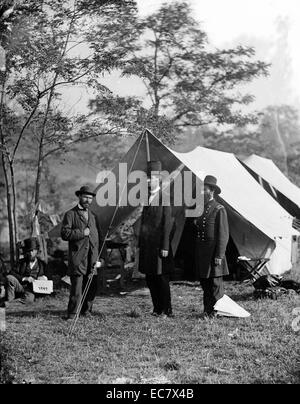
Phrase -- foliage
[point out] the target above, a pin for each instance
(50, 45)
(188, 84)
(280, 142)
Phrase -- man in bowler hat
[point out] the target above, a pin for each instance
(212, 235)
(156, 257)
(81, 229)
(19, 281)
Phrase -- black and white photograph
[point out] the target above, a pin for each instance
(149, 194)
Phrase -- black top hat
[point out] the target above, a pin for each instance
(30, 244)
(212, 182)
(85, 190)
(153, 166)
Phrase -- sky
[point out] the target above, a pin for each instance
(255, 23)
(272, 27)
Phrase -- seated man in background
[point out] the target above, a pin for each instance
(19, 282)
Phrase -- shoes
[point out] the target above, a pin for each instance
(156, 314)
(167, 314)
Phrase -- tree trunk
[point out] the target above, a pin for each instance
(41, 148)
(9, 206)
(48, 108)
(281, 143)
(9, 194)
(39, 173)
(14, 202)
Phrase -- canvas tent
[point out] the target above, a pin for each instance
(275, 182)
(259, 226)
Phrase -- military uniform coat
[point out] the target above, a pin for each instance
(212, 235)
(157, 230)
(83, 250)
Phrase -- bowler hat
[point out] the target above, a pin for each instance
(212, 182)
(153, 166)
(30, 244)
(85, 190)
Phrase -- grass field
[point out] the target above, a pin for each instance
(123, 343)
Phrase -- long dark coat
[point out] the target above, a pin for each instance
(157, 230)
(212, 236)
(23, 270)
(83, 250)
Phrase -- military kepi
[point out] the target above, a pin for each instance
(85, 190)
(211, 181)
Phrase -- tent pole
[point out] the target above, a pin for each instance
(147, 146)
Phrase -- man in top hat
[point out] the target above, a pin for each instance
(212, 235)
(81, 229)
(156, 257)
(19, 281)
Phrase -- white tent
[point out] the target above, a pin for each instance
(280, 187)
(259, 226)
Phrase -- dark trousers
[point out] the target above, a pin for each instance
(213, 290)
(78, 284)
(159, 286)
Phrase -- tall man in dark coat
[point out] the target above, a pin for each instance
(212, 236)
(156, 257)
(19, 281)
(81, 230)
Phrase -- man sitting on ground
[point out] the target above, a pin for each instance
(19, 283)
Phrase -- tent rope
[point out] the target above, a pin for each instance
(90, 278)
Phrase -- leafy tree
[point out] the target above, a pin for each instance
(49, 45)
(188, 84)
(280, 129)
(276, 136)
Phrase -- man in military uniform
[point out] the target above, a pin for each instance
(212, 236)
(81, 230)
(19, 281)
(156, 257)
